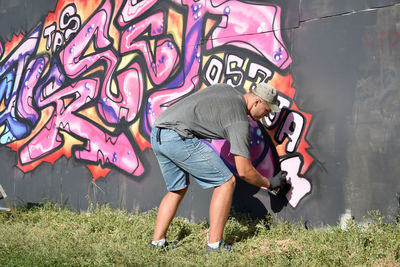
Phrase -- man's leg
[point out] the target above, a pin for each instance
(220, 206)
(166, 212)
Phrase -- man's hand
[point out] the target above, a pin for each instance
(278, 180)
(248, 173)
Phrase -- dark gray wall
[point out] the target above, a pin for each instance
(21, 15)
(345, 71)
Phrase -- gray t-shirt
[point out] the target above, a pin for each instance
(217, 112)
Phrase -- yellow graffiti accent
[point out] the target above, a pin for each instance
(152, 46)
(150, 86)
(210, 23)
(247, 84)
(2, 105)
(140, 140)
(90, 50)
(67, 101)
(69, 141)
(175, 27)
(114, 87)
(125, 61)
(91, 114)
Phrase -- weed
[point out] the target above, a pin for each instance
(48, 235)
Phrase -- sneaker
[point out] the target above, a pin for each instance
(165, 246)
(220, 248)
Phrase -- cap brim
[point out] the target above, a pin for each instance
(274, 108)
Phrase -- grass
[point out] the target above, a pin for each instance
(54, 236)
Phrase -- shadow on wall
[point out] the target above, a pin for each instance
(245, 201)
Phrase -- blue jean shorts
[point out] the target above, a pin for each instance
(179, 157)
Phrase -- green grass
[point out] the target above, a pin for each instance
(52, 236)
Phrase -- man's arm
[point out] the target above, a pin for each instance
(248, 173)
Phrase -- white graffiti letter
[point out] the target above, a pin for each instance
(234, 75)
(48, 34)
(214, 71)
(292, 128)
(272, 118)
(299, 186)
(69, 20)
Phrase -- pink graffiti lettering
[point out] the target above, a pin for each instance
(234, 28)
(99, 146)
(134, 9)
(257, 29)
(75, 64)
(299, 186)
(188, 79)
(157, 69)
(131, 85)
(16, 63)
(166, 55)
(26, 101)
(49, 138)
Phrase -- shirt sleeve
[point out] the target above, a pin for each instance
(238, 135)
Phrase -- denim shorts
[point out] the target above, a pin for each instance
(179, 157)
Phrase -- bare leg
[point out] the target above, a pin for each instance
(166, 212)
(220, 206)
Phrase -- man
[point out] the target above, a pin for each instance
(217, 112)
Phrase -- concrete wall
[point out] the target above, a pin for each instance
(82, 81)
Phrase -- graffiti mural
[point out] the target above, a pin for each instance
(89, 81)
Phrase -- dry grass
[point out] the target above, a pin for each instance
(51, 236)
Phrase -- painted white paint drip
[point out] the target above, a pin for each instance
(345, 218)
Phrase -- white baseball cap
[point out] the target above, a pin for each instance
(269, 94)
